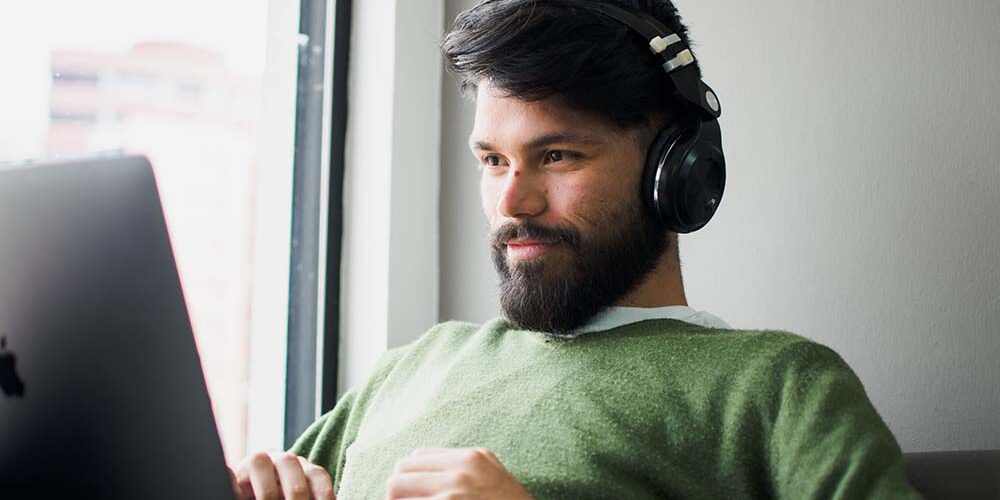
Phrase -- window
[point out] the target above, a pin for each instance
(184, 83)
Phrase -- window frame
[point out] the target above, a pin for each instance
(317, 214)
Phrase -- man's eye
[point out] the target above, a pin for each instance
(555, 156)
(491, 160)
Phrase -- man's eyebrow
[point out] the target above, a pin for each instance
(546, 140)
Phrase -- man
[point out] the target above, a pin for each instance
(598, 381)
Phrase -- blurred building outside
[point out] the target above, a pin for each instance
(197, 122)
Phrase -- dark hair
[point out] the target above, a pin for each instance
(537, 49)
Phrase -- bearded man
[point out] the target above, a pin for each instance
(598, 381)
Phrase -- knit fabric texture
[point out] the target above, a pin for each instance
(656, 409)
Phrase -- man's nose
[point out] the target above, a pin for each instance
(523, 194)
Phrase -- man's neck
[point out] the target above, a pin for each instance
(662, 287)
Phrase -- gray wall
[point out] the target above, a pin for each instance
(467, 290)
(863, 203)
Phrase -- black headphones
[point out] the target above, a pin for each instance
(685, 172)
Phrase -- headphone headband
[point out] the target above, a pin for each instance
(678, 58)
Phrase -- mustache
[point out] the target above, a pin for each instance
(534, 231)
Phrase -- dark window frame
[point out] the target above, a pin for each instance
(303, 374)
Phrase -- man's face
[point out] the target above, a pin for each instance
(560, 188)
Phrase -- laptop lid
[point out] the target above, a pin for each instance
(102, 390)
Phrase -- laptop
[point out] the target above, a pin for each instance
(102, 390)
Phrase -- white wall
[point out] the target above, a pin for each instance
(863, 202)
(389, 286)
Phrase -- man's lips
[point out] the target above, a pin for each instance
(528, 249)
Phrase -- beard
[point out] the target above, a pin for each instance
(563, 290)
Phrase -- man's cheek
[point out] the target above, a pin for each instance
(488, 195)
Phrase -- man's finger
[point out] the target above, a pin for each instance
(263, 477)
(434, 451)
(319, 480)
(439, 459)
(292, 478)
(427, 462)
(419, 484)
(237, 490)
(490, 456)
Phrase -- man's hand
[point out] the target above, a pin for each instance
(264, 476)
(468, 473)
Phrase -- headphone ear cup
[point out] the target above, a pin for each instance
(656, 172)
(703, 171)
(685, 175)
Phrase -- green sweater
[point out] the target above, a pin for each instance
(656, 409)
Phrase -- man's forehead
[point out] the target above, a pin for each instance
(536, 123)
(494, 103)
(540, 140)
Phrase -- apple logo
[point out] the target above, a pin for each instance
(9, 381)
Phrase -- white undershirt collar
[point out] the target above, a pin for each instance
(614, 317)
